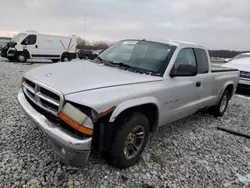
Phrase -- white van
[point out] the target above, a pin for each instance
(33, 45)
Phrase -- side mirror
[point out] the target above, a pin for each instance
(184, 70)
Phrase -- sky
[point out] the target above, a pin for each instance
(216, 24)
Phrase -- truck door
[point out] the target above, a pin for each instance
(30, 44)
(182, 96)
(206, 88)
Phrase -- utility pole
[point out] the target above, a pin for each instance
(85, 29)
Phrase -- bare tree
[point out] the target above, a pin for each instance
(96, 45)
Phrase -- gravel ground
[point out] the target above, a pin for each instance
(188, 153)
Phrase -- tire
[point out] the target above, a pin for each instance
(21, 57)
(54, 60)
(122, 152)
(86, 57)
(80, 57)
(65, 59)
(221, 107)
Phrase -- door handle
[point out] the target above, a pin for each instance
(36, 46)
(198, 84)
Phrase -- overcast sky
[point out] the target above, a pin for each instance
(217, 24)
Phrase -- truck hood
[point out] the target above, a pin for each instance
(76, 76)
(241, 64)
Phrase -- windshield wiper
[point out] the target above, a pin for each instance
(120, 64)
(105, 62)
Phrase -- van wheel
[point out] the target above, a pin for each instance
(54, 60)
(65, 59)
(21, 58)
(221, 107)
(130, 140)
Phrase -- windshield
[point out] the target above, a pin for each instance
(144, 55)
(18, 37)
(240, 56)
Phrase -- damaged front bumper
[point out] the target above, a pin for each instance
(70, 148)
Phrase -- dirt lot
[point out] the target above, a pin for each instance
(188, 153)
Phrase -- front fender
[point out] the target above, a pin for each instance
(133, 103)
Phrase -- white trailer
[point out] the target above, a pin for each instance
(34, 45)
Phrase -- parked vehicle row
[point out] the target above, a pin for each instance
(113, 102)
(88, 54)
(33, 45)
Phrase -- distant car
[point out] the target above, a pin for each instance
(98, 51)
(87, 54)
(241, 62)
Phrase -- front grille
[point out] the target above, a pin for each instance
(244, 74)
(50, 94)
(44, 97)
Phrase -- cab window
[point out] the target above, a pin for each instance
(29, 40)
(202, 60)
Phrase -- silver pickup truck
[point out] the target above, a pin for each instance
(114, 102)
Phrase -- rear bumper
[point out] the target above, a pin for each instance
(69, 148)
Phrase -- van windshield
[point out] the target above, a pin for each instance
(18, 37)
(146, 56)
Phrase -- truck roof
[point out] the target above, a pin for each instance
(173, 42)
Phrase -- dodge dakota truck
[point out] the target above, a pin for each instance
(112, 103)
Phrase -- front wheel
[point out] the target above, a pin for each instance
(130, 140)
(65, 59)
(21, 58)
(221, 107)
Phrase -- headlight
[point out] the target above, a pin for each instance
(76, 119)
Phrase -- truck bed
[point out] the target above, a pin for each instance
(222, 69)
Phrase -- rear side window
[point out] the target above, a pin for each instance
(202, 60)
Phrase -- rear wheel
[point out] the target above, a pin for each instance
(54, 60)
(21, 58)
(221, 107)
(65, 58)
(130, 140)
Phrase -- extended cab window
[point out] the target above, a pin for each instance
(185, 56)
(202, 60)
(29, 40)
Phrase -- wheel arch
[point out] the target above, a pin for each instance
(149, 106)
(25, 52)
(65, 54)
(230, 86)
